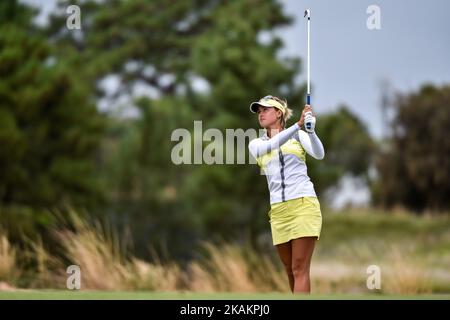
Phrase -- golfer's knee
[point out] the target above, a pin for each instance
(288, 269)
(300, 266)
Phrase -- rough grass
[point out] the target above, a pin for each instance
(8, 260)
(412, 252)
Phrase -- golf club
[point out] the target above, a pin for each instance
(308, 90)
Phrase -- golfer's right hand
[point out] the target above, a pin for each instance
(302, 117)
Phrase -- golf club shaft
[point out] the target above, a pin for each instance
(308, 81)
(308, 98)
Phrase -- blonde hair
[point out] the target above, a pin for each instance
(287, 114)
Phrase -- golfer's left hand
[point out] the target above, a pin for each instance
(310, 119)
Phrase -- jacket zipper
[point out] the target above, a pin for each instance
(281, 157)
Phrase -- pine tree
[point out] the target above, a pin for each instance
(49, 130)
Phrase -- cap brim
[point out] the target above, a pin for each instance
(255, 106)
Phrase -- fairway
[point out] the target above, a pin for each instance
(145, 295)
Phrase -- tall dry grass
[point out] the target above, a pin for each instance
(9, 269)
(405, 274)
(236, 269)
(401, 270)
(338, 267)
(49, 270)
(225, 268)
(104, 265)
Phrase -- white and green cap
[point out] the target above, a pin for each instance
(269, 102)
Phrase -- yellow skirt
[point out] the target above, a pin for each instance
(294, 219)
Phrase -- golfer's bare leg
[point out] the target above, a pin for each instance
(302, 250)
(285, 254)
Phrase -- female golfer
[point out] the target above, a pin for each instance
(294, 215)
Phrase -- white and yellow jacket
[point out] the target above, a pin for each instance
(285, 166)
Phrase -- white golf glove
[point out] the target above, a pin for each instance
(310, 122)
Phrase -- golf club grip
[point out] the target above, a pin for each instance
(308, 125)
(308, 102)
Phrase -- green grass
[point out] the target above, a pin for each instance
(143, 295)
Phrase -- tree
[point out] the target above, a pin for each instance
(349, 149)
(414, 165)
(169, 47)
(49, 130)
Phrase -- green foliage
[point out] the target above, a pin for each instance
(49, 129)
(348, 149)
(415, 166)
